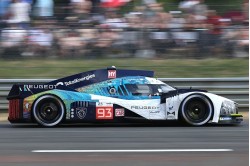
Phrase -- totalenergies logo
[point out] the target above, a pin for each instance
(77, 80)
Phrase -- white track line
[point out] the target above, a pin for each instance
(132, 151)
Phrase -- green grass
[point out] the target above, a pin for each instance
(54, 68)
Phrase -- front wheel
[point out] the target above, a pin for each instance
(48, 111)
(196, 110)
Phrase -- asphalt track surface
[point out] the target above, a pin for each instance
(229, 145)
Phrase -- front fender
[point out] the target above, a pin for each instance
(215, 99)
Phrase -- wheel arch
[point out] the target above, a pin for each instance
(51, 94)
(196, 93)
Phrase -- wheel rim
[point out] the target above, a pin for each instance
(197, 110)
(49, 112)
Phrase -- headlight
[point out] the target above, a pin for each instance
(228, 107)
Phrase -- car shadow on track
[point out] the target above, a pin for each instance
(97, 125)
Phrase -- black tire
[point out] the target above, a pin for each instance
(196, 110)
(48, 111)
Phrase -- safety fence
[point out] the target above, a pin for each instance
(236, 88)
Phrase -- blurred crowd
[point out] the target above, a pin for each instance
(91, 29)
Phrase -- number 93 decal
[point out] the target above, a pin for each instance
(103, 113)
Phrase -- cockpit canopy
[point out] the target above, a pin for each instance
(148, 89)
(128, 86)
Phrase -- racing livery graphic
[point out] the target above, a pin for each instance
(112, 95)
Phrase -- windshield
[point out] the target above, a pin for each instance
(148, 89)
(166, 88)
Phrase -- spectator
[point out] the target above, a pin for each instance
(4, 5)
(113, 20)
(200, 10)
(13, 41)
(229, 37)
(62, 10)
(160, 38)
(96, 9)
(81, 8)
(40, 41)
(44, 8)
(144, 31)
(19, 13)
(177, 21)
(214, 23)
(187, 5)
(236, 40)
(245, 10)
(148, 2)
(134, 20)
(71, 45)
(28, 1)
(89, 36)
(104, 41)
(242, 49)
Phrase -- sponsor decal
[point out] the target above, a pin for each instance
(27, 105)
(170, 113)
(77, 80)
(119, 112)
(154, 112)
(111, 73)
(26, 115)
(59, 83)
(171, 116)
(170, 108)
(26, 88)
(145, 107)
(225, 118)
(81, 112)
(103, 104)
(104, 113)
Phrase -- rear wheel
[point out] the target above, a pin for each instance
(48, 111)
(196, 110)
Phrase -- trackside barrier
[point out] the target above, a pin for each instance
(236, 88)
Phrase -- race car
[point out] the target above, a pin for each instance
(116, 95)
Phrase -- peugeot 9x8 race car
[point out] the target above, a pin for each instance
(112, 95)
